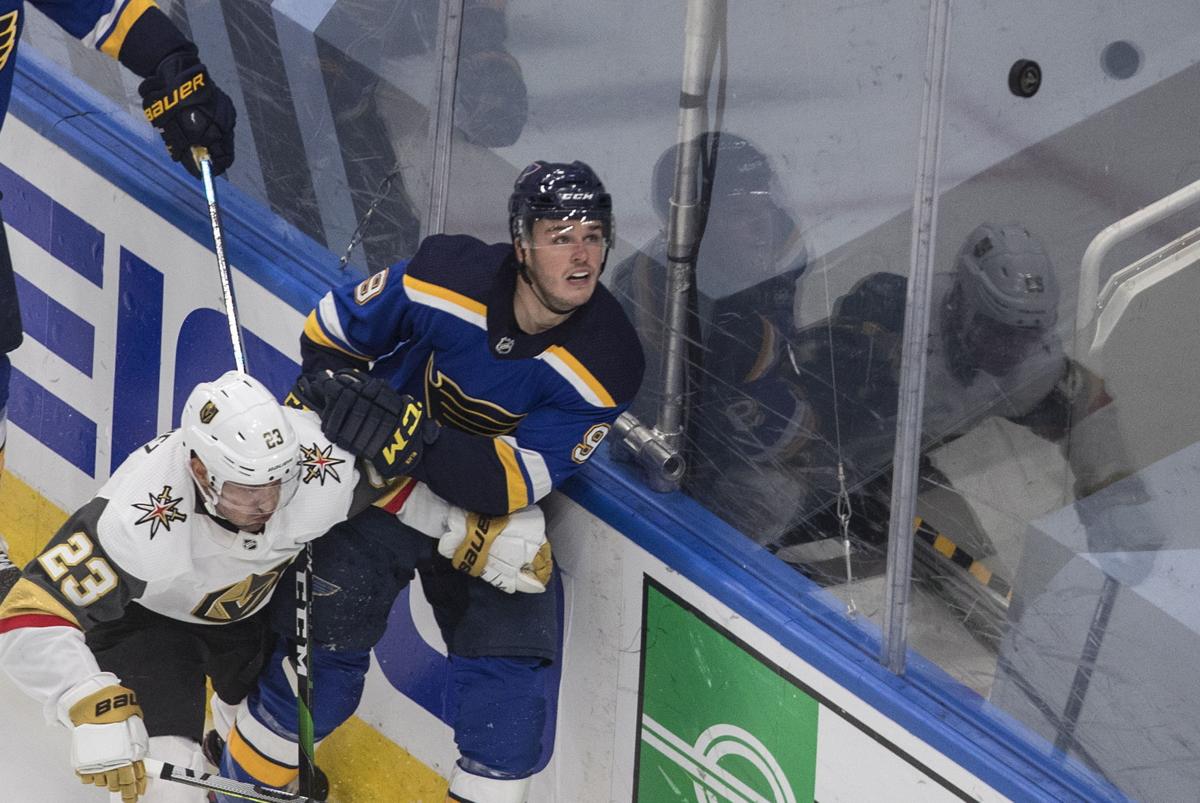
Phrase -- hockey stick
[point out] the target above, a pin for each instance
(214, 217)
(304, 577)
(217, 783)
(304, 691)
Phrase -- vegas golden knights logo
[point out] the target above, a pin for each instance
(240, 599)
(8, 36)
(449, 405)
(208, 412)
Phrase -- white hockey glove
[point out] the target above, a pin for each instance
(108, 737)
(510, 552)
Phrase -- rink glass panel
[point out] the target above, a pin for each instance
(331, 99)
(795, 202)
(1056, 480)
(1052, 570)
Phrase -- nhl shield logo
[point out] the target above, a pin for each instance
(8, 36)
(208, 412)
(504, 345)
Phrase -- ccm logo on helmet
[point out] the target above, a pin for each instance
(576, 196)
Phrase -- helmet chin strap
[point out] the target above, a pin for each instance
(207, 495)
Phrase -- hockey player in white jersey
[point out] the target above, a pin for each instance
(993, 350)
(160, 579)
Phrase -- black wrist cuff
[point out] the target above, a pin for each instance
(152, 40)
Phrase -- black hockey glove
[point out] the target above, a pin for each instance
(369, 418)
(188, 109)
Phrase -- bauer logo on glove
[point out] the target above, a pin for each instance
(108, 738)
(510, 552)
(190, 110)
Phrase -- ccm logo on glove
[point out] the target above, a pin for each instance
(165, 104)
(403, 434)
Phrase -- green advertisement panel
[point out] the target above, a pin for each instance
(717, 721)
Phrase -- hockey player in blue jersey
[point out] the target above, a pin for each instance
(178, 96)
(524, 361)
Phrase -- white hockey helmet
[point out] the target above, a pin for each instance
(248, 447)
(1006, 275)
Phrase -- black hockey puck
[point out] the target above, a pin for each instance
(1025, 78)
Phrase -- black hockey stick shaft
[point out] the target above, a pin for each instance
(220, 784)
(304, 690)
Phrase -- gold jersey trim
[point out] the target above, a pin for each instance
(8, 35)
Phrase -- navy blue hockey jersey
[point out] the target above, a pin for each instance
(520, 412)
(102, 24)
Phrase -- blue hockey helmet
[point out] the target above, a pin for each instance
(560, 191)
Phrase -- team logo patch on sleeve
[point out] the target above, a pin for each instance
(160, 511)
(319, 463)
(370, 287)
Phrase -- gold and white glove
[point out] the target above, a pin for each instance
(108, 737)
(510, 552)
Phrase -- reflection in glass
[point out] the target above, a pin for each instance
(744, 419)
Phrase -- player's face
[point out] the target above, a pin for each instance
(248, 506)
(997, 348)
(564, 258)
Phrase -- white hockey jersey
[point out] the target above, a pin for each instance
(146, 539)
(954, 405)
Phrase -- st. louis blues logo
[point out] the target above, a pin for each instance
(8, 36)
(161, 511)
(319, 463)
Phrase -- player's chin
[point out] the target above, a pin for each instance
(250, 523)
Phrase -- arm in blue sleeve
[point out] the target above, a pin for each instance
(498, 475)
(135, 32)
(361, 321)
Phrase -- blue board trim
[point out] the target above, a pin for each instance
(806, 620)
(811, 624)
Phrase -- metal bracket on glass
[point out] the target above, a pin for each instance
(648, 447)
